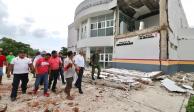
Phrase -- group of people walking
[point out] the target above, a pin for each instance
(47, 69)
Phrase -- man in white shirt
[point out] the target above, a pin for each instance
(80, 64)
(69, 70)
(20, 66)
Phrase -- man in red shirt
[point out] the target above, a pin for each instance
(2, 62)
(42, 70)
(55, 64)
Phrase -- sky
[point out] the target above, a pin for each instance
(44, 23)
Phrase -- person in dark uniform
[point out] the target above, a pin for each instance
(96, 64)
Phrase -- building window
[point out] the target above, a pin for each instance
(102, 25)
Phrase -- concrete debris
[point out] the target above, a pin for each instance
(145, 92)
(190, 91)
(187, 87)
(3, 107)
(171, 86)
(33, 103)
(129, 77)
(133, 73)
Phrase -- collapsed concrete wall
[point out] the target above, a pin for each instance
(174, 47)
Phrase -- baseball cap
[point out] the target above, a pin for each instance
(43, 53)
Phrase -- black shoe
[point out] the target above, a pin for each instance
(23, 92)
(63, 83)
(99, 78)
(80, 91)
(93, 78)
(54, 90)
(76, 85)
(13, 99)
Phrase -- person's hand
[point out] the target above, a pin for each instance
(77, 69)
(70, 64)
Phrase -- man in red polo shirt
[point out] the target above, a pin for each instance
(55, 64)
(42, 70)
(2, 62)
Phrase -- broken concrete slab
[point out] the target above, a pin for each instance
(187, 87)
(171, 86)
(133, 73)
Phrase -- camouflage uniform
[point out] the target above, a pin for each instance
(95, 64)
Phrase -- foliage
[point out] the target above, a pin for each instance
(10, 45)
(190, 106)
(63, 50)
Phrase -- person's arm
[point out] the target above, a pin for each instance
(31, 68)
(5, 62)
(10, 68)
(67, 65)
(30, 64)
(60, 62)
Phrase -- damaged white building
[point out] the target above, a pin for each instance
(146, 35)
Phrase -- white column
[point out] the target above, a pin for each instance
(87, 53)
(80, 31)
(88, 27)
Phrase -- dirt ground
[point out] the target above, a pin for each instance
(96, 98)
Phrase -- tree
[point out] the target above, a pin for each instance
(63, 50)
(10, 45)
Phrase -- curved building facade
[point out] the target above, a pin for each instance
(93, 28)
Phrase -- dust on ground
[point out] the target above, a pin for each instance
(96, 98)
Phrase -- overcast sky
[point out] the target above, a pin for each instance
(44, 23)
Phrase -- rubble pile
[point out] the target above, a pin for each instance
(131, 78)
(179, 82)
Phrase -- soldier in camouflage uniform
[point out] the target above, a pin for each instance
(96, 64)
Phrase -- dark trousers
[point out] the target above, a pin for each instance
(98, 68)
(16, 81)
(61, 72)
(53, 79)
(79, 80)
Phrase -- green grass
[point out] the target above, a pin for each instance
(190, 106)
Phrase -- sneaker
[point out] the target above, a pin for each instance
(93, 78)
(54, 90)
(13, 99)
(46, 94)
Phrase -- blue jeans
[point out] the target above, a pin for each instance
(43, 77)
(1, 71)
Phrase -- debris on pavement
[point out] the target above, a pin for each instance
(171, 86)
(3, 107)
(187, 87)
